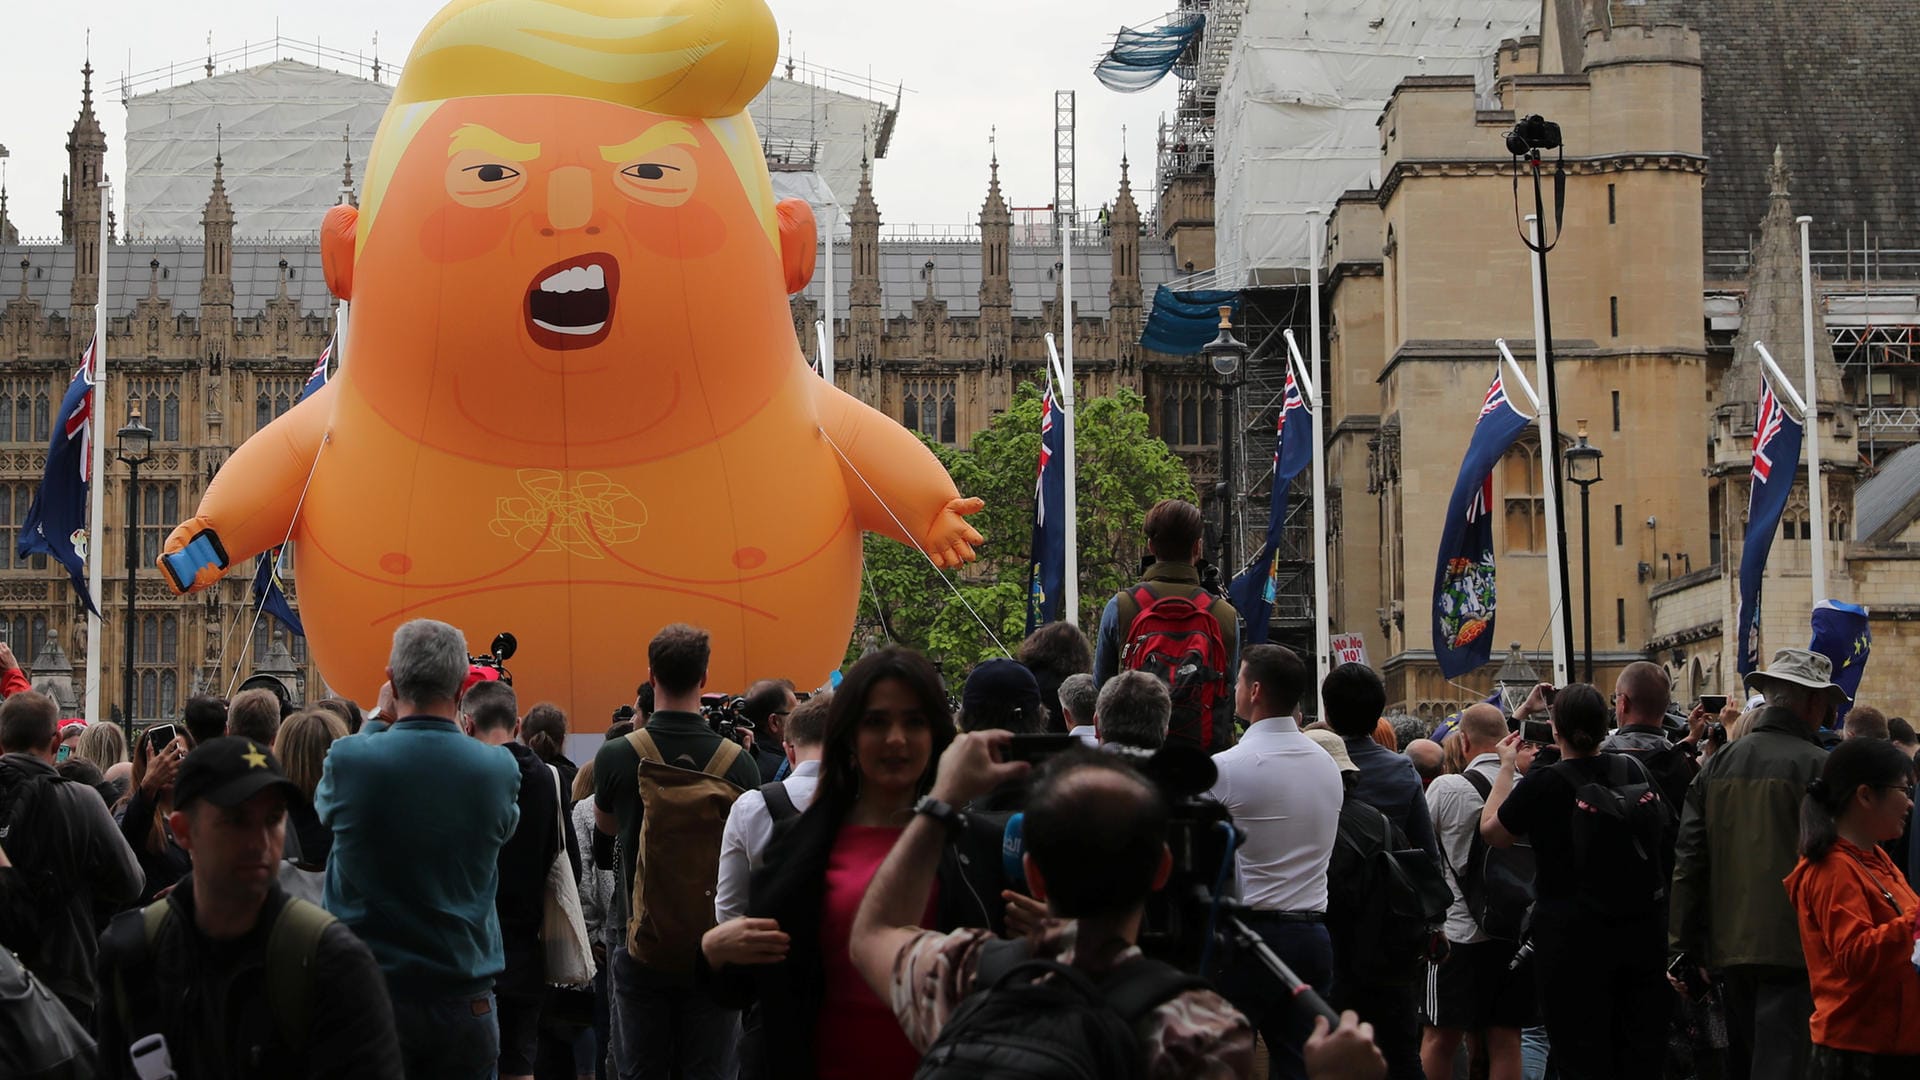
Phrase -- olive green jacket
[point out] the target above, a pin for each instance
(1739, 837)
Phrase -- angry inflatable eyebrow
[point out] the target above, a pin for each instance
(668, 133)
(477, 137)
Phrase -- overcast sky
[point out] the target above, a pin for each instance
(966, 67)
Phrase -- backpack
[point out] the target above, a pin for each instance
(293, 948)
(1387, 903)
(684, 813)
(39, 1038)
(1498, 882)
(1021, 1026)
(1620, 825)
(779, 803)
(1177, 639)
(29, 913)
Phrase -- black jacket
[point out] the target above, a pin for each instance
(788, 888)
(210, 1000)
(524, 858)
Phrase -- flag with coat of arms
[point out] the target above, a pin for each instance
(56, 524)
(1463, 579)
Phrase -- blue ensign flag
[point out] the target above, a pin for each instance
(1047, 571)
(270, 596)
(1840, 634)
(56, 525)
(1252, 592)
(1463, 592)
(319, 377)
(1776, 458)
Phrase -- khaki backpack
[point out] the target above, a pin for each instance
(684, 813)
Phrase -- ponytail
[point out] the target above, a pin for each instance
(1854, 764)
(1819, 824)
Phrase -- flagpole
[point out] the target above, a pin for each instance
(1519, 375)
(1072, 511)
(1816, 499)
(1322, 592)
(826, 339)
(1558, 613)
(97, 468)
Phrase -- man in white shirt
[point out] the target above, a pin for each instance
(1284, 793)
(749, 831)
(1475, 989)
(1077, 697)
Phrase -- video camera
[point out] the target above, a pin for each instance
(725, 714)
(502, 650)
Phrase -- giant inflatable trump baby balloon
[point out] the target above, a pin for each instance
(572, 405)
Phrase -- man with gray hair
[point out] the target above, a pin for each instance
(419, 813)
(1077, 700)
(1739, 836)
(1133, 710)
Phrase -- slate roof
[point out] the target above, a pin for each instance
(1884, 501)
(956, 276)
(1833, 85)
(256, 275)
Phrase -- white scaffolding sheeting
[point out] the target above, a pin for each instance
(1304, 87)
(814, 137)
(278, 128)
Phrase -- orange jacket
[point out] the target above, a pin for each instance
(1859, 946)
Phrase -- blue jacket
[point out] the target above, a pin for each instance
(1389, 784)
(419, 812)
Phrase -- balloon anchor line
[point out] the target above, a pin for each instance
(260, 607)
(908, 533)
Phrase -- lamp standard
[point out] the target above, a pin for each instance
(1515, 680)
(1583, 468)
(135, 449)
(1225, 352)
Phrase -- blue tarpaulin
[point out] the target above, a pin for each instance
(1181, 323)
(1142, 57)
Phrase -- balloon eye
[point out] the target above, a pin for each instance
(648, 171)
(492, 173)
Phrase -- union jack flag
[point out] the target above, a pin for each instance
(79, 422)
(319, 377)
(1496, 394)
(1765, 427)
(1289, 401)
(1046, 429)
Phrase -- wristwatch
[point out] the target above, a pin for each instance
(943, 813)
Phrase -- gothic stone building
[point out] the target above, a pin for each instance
(209, 340)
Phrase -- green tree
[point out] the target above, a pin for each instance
(1122, 471)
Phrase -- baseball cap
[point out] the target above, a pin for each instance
(1002, 683)
(228, 771)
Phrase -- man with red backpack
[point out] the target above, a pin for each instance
(1169, 625)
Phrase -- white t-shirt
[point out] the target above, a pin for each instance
(1284, 792)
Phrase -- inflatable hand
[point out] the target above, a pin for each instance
(193, 557)
(950, 540)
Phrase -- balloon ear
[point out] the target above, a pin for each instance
(797, 238)
(337, 232)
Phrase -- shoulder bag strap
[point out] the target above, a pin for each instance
(1143, 985)
(644, 745)
(780, 805)
(559, 811)
(723, 758)
(292, 946)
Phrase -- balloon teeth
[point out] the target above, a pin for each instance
(580, 331)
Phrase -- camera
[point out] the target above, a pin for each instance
(725, 714)
(1202, 840)
(1532, 134)
(496, 657)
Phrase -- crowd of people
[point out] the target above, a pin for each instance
(871, 883)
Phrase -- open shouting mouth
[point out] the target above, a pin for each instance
(570, 304)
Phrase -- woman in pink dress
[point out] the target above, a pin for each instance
(888, 724)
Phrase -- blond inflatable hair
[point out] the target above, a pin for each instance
(695, 58)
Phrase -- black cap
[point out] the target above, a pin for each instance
(228, 771)
(1005, 683)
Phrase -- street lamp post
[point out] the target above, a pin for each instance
(1225, 352)
(1583, 468)
(135, 449)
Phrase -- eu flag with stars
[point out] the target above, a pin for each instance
(269, 596)
(1252, 592)
(56, 525)
(1776, 458)
(1841, 634)
(1047, 571)
(1463, 585)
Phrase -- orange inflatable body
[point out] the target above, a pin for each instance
(572, 405)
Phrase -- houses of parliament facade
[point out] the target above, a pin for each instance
(210, 338)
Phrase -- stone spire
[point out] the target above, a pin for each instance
(346, 171)
(863, 293)
(1774, 307)
(216, 224)
(996, 277)
(1123, 293)
(8, 234)
(80, 218)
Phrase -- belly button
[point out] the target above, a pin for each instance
(749, 558)
(393, 562)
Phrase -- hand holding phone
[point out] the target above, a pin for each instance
(1713, 703)
(1538, 732)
